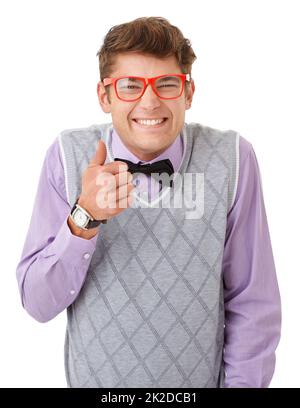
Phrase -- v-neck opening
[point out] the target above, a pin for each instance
(163, 193)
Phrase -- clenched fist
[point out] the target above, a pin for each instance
(105, 190)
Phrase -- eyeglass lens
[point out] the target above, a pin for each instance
(166, 87)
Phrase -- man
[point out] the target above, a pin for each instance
(156, 296)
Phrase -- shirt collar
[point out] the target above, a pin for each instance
(174, 152)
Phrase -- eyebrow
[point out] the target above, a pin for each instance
(166, 78)
(132, 79)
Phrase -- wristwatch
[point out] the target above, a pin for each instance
(83, 219)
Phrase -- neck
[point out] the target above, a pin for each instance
(146, 156)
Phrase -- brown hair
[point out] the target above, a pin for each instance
(149, 35)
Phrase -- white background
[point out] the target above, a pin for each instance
(247, 79)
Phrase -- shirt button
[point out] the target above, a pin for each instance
(72, 292)
(86, 256)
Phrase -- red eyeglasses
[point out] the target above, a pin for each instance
(132, 88)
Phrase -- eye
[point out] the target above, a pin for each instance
(168, 82)
(167, 86)
(132, 87)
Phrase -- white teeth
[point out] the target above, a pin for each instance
(149, 122)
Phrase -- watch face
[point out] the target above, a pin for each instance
(80, 218)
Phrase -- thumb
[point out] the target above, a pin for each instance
(99, 158)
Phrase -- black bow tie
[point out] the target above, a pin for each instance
(161, 166)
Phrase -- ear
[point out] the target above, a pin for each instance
(189, 94)
(103, 98)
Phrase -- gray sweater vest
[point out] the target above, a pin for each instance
(151, 310)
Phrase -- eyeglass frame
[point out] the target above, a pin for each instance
(146, 82)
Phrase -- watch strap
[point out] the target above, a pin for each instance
(92, 223)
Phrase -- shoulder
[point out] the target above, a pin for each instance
(249, 177)
(83, 135)
(53, 168)
(245, 149)
(78, 143)
(215, 135)
(68, 140)
(230, 146)
(212, 136)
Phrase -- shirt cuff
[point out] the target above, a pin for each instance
(70, 247)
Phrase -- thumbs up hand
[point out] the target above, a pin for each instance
(106, 188)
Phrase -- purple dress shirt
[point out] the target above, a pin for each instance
(54, 262)
(147, 186)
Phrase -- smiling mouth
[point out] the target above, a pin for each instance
(150, 123)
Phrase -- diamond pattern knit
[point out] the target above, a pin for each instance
(150, 312)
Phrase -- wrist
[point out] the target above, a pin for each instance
(82, 202)
(82, 217)
(79, 232)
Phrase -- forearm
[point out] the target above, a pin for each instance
(54, 276)
(250, 342)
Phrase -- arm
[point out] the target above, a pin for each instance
(251, 294)
(54, 261)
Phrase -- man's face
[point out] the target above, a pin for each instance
(145, 141)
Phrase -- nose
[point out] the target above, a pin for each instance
(149, 99)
